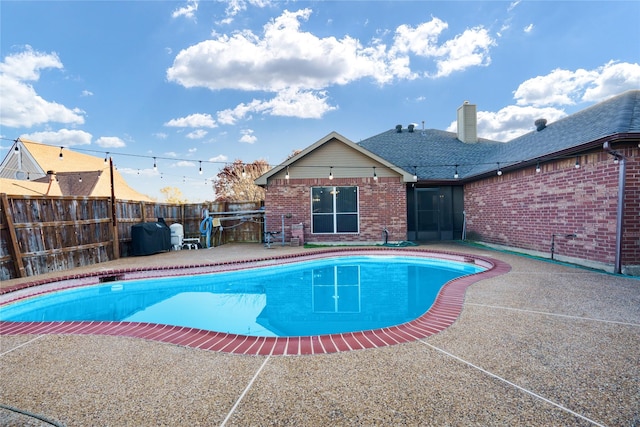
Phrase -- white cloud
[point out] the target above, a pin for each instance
(110, 142)
(513, 5)
(285, 57)
(197, 134)
(288, 103)
(421, 40)
(248, 136)
(184, 164)
(220, 158)
(148, 172)
(528, 28)
(21, 106)
(469, 49)
(62, 137)
(86, 93)
(612, 79)
(236, 6)
(566, 87)
(171, 154)
(160, 135)
(187, 11)
(193, 121)
(298, 66)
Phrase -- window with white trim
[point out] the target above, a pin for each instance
(334, 210)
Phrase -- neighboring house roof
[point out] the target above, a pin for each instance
(14, 187)
(76, 174)
(339, 162)
(437, 152)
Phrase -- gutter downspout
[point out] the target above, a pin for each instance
(620, 209)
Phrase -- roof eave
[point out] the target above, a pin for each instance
(571, 151)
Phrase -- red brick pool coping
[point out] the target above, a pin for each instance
(444, 311)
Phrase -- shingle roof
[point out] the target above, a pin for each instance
(72, 167)
(437, 152)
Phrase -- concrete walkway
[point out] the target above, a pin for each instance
(542, 345)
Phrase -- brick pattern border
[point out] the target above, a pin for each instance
(443, 313)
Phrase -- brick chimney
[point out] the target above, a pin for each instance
(467, 123)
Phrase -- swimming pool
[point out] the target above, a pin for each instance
(326, 296)
(444, 311)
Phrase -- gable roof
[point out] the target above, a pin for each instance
(77, 174)
(436, 153)
(333, 137)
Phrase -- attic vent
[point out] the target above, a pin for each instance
(410, 127)
(399, 128)
(540, 124)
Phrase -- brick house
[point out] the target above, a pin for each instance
(553, 192)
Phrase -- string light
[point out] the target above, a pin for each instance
(244, 172)
(415, 172)
(79, 178)
(499, 171)
(200, 170)
(330, 172)
(375, 176)
(286, 176)
(455, 173)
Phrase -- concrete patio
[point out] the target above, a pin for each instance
(542, 345)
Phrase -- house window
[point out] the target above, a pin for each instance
(334, 210)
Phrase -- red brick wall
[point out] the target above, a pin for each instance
(382, 205)
(523, 209)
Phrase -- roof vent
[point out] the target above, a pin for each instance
(399, 128)
(540, 124)
(410, 127)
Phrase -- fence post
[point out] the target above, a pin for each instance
(114, 219)
(13, 238)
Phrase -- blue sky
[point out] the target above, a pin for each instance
(209, 82)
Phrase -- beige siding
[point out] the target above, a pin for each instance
(344, 160)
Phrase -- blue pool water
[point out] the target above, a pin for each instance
(344, 294)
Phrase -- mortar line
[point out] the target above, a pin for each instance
(22, 345)
(529, 392)
(554, 314)
(235, 405)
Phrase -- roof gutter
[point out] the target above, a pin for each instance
(620, 208)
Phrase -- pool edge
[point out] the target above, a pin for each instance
(445, 310)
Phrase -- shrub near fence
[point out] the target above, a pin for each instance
(44, 234)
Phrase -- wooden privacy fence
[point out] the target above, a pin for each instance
(41, 234)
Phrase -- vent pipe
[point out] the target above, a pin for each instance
(540, 124)
(411, 127)
(399, 128)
